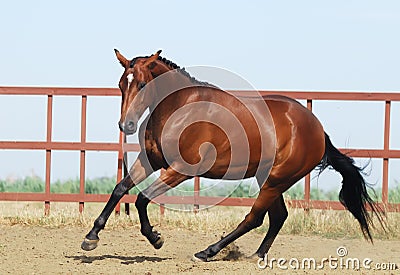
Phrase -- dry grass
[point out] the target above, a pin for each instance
(326, 223)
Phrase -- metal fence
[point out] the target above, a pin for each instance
(48, 145)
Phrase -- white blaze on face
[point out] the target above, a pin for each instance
(130, 79)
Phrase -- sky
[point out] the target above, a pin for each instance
(274, 45)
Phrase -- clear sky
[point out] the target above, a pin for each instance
(284, 45)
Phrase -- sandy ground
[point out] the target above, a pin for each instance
(41, 250)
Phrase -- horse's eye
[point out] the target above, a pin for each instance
(141, 85)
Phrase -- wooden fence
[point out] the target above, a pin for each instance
(83, 146)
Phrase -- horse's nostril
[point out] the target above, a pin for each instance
(130, 125)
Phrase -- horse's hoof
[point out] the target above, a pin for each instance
(159, 243)
(200, 257)
(89, 244)
(253, 257)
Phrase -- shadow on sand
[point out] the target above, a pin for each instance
(124, 259)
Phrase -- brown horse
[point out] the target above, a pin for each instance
(196, 129)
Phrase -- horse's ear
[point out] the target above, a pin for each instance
(124, 62)
(152, 58)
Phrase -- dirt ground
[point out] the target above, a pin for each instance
(41, 250)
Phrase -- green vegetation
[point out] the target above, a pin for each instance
(297, 193)
(27, 184)
(394, 193)
(105, 185)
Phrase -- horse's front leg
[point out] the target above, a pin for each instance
(166, 181)
(138, 173)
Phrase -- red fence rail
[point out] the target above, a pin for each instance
(83, 146)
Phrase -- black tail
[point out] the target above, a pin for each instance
(353, 195)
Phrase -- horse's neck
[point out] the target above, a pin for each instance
(167, 83)
(167, 99)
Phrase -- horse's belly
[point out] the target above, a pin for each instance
(249, 165)
(235, 173)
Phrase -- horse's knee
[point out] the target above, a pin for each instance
(253, 221)
(258, 222)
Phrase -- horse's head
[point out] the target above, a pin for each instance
(138, 72)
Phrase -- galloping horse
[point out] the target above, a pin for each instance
(283, 142)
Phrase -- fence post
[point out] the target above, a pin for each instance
(196, 206)
(386, 141)
(126, 172)
(122, 139)
(122, 171)
(307, 179)
(162, 209)
(48, 152)
(82, 154)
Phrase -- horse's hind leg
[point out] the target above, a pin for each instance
(277, 214)
(166, 181)
(264, 201)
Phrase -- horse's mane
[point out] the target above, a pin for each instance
(182, 70)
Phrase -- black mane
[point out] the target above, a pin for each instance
(174, 66)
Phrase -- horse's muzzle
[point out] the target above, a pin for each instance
(129, 128)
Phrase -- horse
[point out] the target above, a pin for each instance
(182, 134)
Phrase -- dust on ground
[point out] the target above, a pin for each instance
(41, 250)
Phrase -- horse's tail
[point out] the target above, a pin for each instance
(353, 195)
